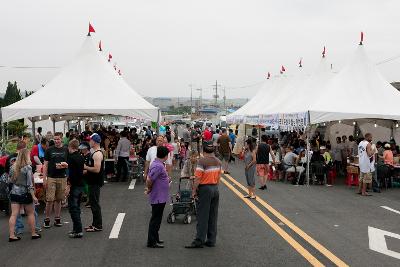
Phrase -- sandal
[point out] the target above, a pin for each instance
(36, 236)
(247, 196)
(253, 197)
(88, 227)
(17, 238)
(93, 229)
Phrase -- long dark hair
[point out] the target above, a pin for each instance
(250, 143)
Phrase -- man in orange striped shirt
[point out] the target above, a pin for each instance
(205, 187)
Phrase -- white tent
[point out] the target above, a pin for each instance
(358, 91)
(89, 86)
(301, 99)
(249, 112)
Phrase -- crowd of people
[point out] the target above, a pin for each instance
(277, 157)
(72, 168)
(65, 167)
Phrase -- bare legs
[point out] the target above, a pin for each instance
(15, 208)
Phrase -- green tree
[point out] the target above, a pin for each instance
(12, 95)
(16, 128)
(28, 93)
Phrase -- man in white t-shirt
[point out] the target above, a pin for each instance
(366, 162)
(152, 154)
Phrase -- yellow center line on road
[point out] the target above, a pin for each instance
(292, 226)
(305, 253)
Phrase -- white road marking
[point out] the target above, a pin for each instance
(132, 184)
(377, 241)
(117, 226)
(395, 211)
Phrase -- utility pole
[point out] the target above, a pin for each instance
(200, 97)
(191, 97)
(224, 100)
(216, 93)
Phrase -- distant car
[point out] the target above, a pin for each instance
(180, 122)
(198, 124)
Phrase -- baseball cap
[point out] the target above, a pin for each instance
(84, 145)
(322, 148)
(96, 138)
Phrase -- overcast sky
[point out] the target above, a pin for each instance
(162, 46)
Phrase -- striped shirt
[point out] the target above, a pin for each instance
(208, 170)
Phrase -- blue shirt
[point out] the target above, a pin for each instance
(232, 136)
(159, 176)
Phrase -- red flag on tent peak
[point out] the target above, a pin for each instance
(109, 57)
(100, 48)
(301, 63)
(91, 29)
(361, 38)
(283, 69)
(119, 72)
(324, 52)
(268, 75)
(115, 66)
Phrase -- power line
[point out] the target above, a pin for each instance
(30, 67)
(388, 60)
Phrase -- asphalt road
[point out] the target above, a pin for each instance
(287, 226)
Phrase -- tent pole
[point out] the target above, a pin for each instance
(3, 133)
(78, 128)
(392, 130)
(308, 130)
(158, 121)
(33, 128)
(54, 126)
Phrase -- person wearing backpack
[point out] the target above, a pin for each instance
(22, 194)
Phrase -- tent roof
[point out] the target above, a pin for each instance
(266, 93)
(88, 86)
(358, 91)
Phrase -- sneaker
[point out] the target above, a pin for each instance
(38, 230)
(75, 235)
(57, 222)
(46, 223)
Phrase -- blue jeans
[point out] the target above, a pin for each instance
(19, 225)
(74, 205)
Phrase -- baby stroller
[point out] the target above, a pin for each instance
(184, 203)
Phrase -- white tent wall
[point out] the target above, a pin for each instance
(397, 135)
(47, 125)
(379, 133)
(240, 140)
(338, 129)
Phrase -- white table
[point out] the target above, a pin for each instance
(37, 178)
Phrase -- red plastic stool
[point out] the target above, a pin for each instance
(271, 175)
(355, 179)
(331, 177)
(352, 179)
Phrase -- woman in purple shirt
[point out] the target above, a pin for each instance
(157, 184)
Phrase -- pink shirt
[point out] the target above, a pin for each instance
(388, 157)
